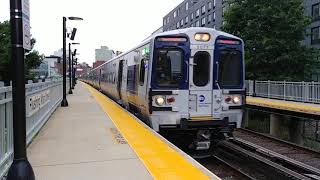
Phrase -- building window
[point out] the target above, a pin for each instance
(197, 24)
(315, 35)
(187, 20)
(181, 22)
(192, 16)
(178, 12)
(209, 6)
(214, 3)
(214, 16)
(168, 20)
(164, 22)
(178, 25)
(192, 25)
(203, 9)
(198, 13)
(175, 14)
(316, 11)
(203, 21)
(201, 68)
(209, 18)
(214, 26)
(187, 6)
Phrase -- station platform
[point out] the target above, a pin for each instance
(306, 108)
(94, 138)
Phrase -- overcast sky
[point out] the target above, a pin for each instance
(119, 24)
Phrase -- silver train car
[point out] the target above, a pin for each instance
(187, 80)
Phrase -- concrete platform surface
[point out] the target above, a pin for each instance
(307, 108)
(80, 142)
(95, 138)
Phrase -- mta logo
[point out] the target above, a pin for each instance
(202, 98)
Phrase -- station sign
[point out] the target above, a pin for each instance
(26, 24)
(37, 101)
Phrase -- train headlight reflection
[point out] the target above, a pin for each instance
(160, 100)
(202, 37)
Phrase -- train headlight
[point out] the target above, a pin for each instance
(202, 37)
(160, 100)
(236, 99)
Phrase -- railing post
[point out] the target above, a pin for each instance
(254, 88)
(303, 88)
(268, 88)
(313, 95)
(284, 90)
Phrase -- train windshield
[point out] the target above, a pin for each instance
(230, 68)
(169, 67)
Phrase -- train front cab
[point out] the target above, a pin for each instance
(197, 83)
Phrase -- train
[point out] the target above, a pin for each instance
(189, 81)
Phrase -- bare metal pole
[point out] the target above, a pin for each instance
(64, 102)
(70, 73)
(20, 169)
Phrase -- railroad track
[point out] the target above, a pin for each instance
(293, 151)
(251, 155)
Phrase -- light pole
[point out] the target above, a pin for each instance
(64, 102)
(20, 169)
(71, 69)
(75, 70)
(70, 73)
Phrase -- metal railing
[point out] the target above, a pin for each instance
(308, 92)
(42, 99)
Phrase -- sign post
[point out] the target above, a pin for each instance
(26, 25)
(20, 39)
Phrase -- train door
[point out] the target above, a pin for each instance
(100, 75)
(120, 77)
(200, 84)
(142, 90)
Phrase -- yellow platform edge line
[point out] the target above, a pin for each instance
(283, 105)
(162, 161)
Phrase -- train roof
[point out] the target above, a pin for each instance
(187, 31)
(193, 30)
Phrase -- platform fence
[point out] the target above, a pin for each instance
(307, 92)
(42, 99)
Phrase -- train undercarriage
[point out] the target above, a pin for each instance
(198, 141)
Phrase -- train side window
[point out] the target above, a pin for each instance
(201, 68)
(142, 72)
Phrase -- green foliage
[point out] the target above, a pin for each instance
(33, 58)
(273, 32)
(4, 50)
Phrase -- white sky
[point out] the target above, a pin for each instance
(119, 24)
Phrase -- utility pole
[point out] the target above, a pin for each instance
(20, 169)
(70, 71)
(73, 72)
(64, 102)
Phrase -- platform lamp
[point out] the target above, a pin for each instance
(73, 34)
(72, 68)
(75, 70)
(64, 102)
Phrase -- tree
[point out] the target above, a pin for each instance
(33, 58)
(4, 50)
(273, 32)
